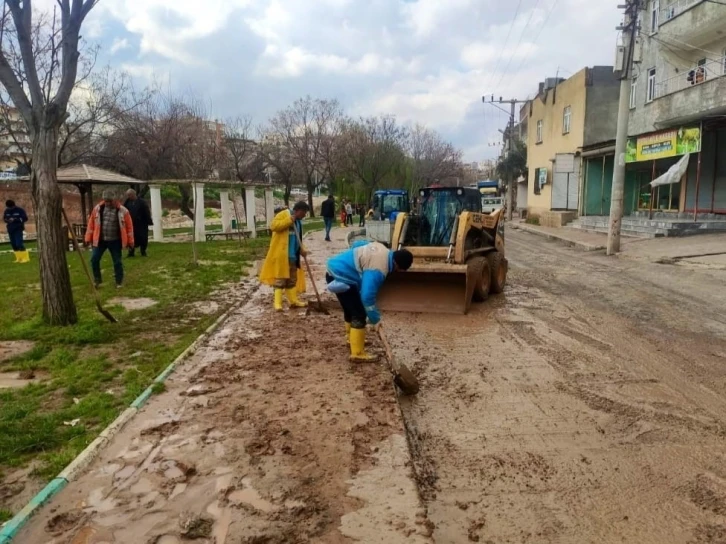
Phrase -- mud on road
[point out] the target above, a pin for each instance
(587, 404)
(267, 435)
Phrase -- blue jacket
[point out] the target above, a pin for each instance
(15, 218)
(364, 266)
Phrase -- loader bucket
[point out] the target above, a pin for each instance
(428, 288)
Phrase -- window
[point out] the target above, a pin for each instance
(566, 120)
(540, 124)
(633, 92)
(655, 8)
(651, 85)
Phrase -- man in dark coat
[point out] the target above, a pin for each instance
(141, 219)
(328, 212)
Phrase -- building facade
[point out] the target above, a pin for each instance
(566, 117)
(678, 107)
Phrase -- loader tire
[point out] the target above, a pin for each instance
(479, 270)
(498, 268)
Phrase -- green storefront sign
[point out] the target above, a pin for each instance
(663, 144)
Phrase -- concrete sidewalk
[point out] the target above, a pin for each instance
(587, 241)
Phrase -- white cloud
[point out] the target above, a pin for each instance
(119, 44)
(424, 60)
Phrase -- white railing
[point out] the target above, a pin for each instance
(675, 8)
(698, 75)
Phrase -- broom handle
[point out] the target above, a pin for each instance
(307, 265)
(80, 255)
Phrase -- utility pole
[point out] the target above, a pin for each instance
(616, 201)
(509, 133)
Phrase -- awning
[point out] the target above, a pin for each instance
(674, 174)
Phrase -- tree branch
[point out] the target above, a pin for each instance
(23, 19)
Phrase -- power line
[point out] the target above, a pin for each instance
(492, 75)
(552, 9)
(521, 37)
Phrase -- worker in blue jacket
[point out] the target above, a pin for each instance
(15, 219)
(355, 276)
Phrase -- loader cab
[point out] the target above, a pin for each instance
(388, 203)
(438, 209)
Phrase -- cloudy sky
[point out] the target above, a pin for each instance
(426, 61)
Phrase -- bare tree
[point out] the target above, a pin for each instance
(432, 159)
(278, 159)
(373, 148)
(303, 129)
(42, 100)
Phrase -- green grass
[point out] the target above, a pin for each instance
(92, 371)
(5, 515)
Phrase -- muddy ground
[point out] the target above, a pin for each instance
(267, 434)
(586, 404)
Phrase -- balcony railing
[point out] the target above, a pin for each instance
(698, 75)
(675, 8)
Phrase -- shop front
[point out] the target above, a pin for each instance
(651, 155)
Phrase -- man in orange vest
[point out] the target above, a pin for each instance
(109, 228)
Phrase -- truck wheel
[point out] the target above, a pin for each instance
(498, 268)
(482, 277)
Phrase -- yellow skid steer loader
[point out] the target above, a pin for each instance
(458, 254)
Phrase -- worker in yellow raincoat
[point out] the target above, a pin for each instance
(282, 268)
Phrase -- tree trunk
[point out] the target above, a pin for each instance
(55, 280)
(186, 198)
(310, 200)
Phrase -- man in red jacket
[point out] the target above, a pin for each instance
(109, 228)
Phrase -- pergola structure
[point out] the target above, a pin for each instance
(198, 193)
(85, 177)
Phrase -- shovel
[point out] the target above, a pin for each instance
(78, 250)
(319, 308)
(402, 376)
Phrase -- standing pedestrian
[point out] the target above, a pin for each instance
(349, 213)
(327, 210)
(361, 215)
(15, 219)
(141, 218)
(282, 268)
(111, 228)
(343, 216)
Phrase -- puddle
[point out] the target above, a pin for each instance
(205, 308)
(223, 519)
(14, 380)
(14, 348)
(141, 487)
(173, 472)
(178, 490)
(97, 503)
(251, 497)
(125, 472)
(130, 304)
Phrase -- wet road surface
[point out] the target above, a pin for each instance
(585, 404)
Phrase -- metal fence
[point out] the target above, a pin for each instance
(697, 75)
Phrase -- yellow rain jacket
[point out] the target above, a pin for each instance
(277, 262)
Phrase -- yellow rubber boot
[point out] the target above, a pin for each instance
(17, 257)
(278, 300)
(24, 256)
(357, 347)
(347, 334)
(293, 300)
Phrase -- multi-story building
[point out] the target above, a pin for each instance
(15, 145)
(678, 107)
(566, 117)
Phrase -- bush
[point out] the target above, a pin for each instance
(532, 220)
(210, 213)
(165, 213)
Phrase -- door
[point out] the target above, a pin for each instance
(565, 182)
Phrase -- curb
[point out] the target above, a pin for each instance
(81, 462)
(357, 232)
(562, 239)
